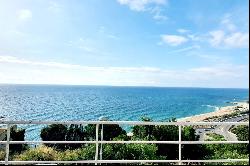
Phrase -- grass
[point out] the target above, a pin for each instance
(215, 137)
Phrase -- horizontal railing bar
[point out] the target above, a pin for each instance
(48, 142)
(125, 161)
(126, 142)
(214, 142)
(125, 123)
(90, 142)
(215, 161)
(90, 161)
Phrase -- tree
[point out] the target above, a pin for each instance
(54, 132)
(159, 133)
(17, 135)
(191, 152)
(110, 131)
(169, 133)
(75, 133)
(144, 132)
(59, 132)
(242, 133)
(90, 131)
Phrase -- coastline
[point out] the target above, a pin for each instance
(227, 110)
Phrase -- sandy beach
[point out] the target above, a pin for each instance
(238, 106)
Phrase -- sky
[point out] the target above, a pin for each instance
(166, 43)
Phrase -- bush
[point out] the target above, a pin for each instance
(169, 133)
(41, 153)
(87, 153)
(215, 137)
(242, 132)
(2, 155)
(54, 132)
(59, 132)
(17, 135)
(130, 152)
(225, 151)
(110, 131)
(75, 133)
(229, 154)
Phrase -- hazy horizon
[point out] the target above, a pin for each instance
(13, 84)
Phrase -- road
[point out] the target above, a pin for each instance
(222, 129)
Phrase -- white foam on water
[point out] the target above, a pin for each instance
(212, 106)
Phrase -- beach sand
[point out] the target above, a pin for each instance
(222, 111)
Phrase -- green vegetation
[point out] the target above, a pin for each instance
(130, 152)
(17, 135)
(41, 153)
(73, 152)
(111, 131)
(59, 132)
(215, 137)
(169, 133)
(225, 151)
(2, 155)
(242, 132)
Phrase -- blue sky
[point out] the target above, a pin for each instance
(186, 43)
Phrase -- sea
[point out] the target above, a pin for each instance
(67, 103)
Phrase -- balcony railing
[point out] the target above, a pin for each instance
(97, 142)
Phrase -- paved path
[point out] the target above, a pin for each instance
(222, 129)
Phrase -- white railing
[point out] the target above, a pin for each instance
(99, 160)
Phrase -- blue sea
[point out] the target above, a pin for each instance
(52, 102)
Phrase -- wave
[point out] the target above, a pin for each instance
(211, 106)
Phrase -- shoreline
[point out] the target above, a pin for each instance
(227, 110)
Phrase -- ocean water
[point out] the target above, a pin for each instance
(47, 102)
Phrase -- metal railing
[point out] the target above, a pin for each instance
(99, 160)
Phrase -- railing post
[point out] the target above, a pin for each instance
(96, 148)
(101, 143)
(7, 146)
(180, 163)
(102, 118)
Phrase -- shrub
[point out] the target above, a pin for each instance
(110, 131)
(75, 133)
(41, 153)
(169, 133)
(225, 151)
(242, 132)
(17, 135)
(59, 132)
(86, 153)
(134, 151)
(54, 132)
(2, 155)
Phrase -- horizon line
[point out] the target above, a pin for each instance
(42, 84)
